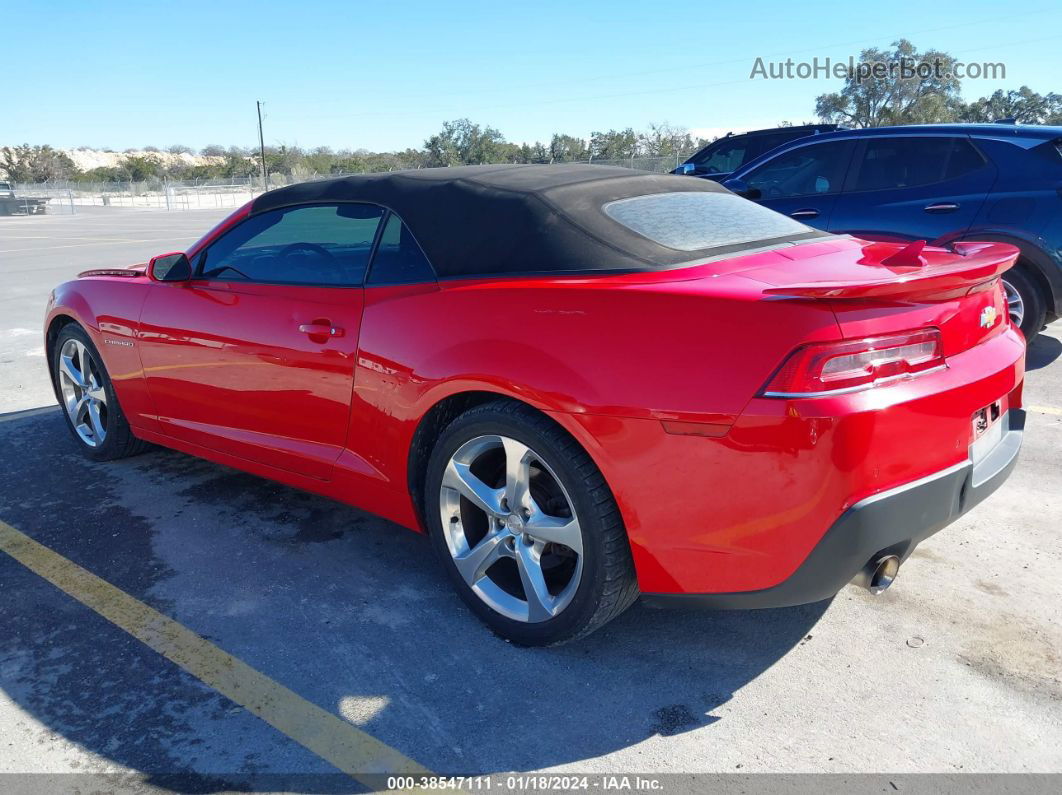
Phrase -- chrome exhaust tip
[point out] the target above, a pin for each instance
(878, 574)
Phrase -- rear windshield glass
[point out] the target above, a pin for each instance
(692, 221)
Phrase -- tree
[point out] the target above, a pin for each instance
(212, 150)
(410, 158)
(138, 168)
(539, 153)
(567, 148)
(283, 159)
(664, 140)
(321, 160)
(875, 94)
(461, 142)
(101, 174)
(239, 163)
(1025, 106)
(614, 144)
(179, 149)
(27, 163)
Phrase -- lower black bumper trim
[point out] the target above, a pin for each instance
(891, 523)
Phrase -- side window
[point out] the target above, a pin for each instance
(325, 244)
(399, 259)
(964, 159)
(724, 158)
(769, 142)
(807, 171)
(896, 163)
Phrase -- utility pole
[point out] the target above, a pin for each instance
(261, 147)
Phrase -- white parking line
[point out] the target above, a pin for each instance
(109, 242)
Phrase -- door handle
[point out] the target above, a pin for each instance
(942, 207)
(809, 213)
(321, 330)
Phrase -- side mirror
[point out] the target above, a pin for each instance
(741, 188)
(173, 267)
(685, 168)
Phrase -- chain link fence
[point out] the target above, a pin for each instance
(159, 194)
(163, 194)
(661, 164)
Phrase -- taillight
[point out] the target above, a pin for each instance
(850, 365)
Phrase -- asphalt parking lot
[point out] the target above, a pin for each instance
(355, 642)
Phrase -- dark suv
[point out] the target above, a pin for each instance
(941, 183)
(731, 152)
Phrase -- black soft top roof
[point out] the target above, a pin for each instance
(509, 219)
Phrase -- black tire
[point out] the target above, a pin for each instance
(1035, 308)
(607, 586)
(118, 439)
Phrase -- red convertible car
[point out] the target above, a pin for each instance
(584, 383)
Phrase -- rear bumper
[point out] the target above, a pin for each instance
(893, 522)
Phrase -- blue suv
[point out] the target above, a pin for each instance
(940, 182)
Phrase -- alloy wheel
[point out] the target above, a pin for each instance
(1015, 304)
(84, 397)
(511, 528)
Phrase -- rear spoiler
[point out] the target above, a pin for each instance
(914, 270)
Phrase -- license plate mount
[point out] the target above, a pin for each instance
(989, 425)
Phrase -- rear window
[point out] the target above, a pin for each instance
(1050, 151)
(693, 221)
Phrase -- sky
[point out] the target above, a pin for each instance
(385, 75)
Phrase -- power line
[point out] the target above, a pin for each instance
(616, 95)
(703, 65)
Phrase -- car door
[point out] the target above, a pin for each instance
(255, 355)
(913, 187)
(802, 182)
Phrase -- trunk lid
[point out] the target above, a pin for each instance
(881, 288)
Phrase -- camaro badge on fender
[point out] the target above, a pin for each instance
(988, 317)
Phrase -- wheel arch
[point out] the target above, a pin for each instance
(58, 322)
(1029, 266)
(1033, 262)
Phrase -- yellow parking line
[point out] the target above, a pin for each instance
(351, 750)
(1045, 410)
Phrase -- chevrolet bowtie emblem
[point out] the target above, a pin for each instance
(988, 316)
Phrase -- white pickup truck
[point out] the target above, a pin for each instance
(14, 205)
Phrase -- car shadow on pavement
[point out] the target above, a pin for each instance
(347, 610)
(1042, 351)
